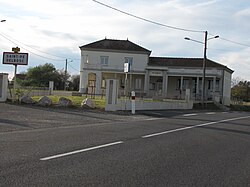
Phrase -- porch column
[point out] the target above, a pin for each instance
(197, 87)
(98, 84)
(130, 83)
(146, 82)
(165, 84)
(221, 89)
(214, 85)
(181, 88)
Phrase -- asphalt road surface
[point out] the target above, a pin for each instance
(54, 147)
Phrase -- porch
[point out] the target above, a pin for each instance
(158, 86)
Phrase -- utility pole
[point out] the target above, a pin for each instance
(204, 64)
(65, 74)
(204, 71)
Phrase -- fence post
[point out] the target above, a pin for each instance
(133, 102)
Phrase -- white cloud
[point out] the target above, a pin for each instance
(61, 26)
(239, 62)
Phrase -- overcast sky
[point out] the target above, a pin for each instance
(51, 31)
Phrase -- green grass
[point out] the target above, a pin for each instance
(76, 100)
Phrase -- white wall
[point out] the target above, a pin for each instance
(91, 63)
(3, 86)
(116, 60)
(227, 88)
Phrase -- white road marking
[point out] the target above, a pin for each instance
(194, 126)
(156, 113)
(186, 115)
(151, 119)
(225, 112)
(210, 113)
(80, 151)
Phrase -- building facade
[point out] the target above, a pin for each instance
(159, 77)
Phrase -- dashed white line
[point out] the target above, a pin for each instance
(80, 151)
(156, 113)
(151, 119)
(187, 115)
(210, 113)
(146, 136)
(194, 126)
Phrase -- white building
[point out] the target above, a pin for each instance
(160, 77)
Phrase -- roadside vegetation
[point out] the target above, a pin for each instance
(35, 81)
(240, 95)
(245, 106)
(40, 76)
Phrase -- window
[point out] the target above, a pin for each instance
(152, 86)
(104, 60)
(210, 84)
(217, 85)
(129, 60)
(122, 83)
(103, 83)
(185, 84)
(138, 84)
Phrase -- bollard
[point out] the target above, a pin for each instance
(133, 102)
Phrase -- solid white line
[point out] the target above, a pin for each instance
(194, 126)
(80, 151)
(187, 115)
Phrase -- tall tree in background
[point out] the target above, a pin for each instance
(40, 76)
(75, 81)
(241, 91)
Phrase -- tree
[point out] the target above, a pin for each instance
(235, 81)
(41, 75)
(63, 79)
(75, 81)
(241, 91)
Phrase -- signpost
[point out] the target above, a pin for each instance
(126, 70)
(15, 58)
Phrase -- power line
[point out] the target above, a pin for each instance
(231, 41)
(215, 49)
(147, 20)
(32, 47)
(73, 67)
(29, 50)
(164, 25)
(238, 43)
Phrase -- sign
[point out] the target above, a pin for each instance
(155, 73)
(15, 58)
(16, 49)
(126, 67)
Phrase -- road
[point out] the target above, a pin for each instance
(50, 147)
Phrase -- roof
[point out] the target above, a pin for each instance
(120, 45)
(184, 62)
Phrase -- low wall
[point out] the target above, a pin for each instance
(3, 86)
(150, 105)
